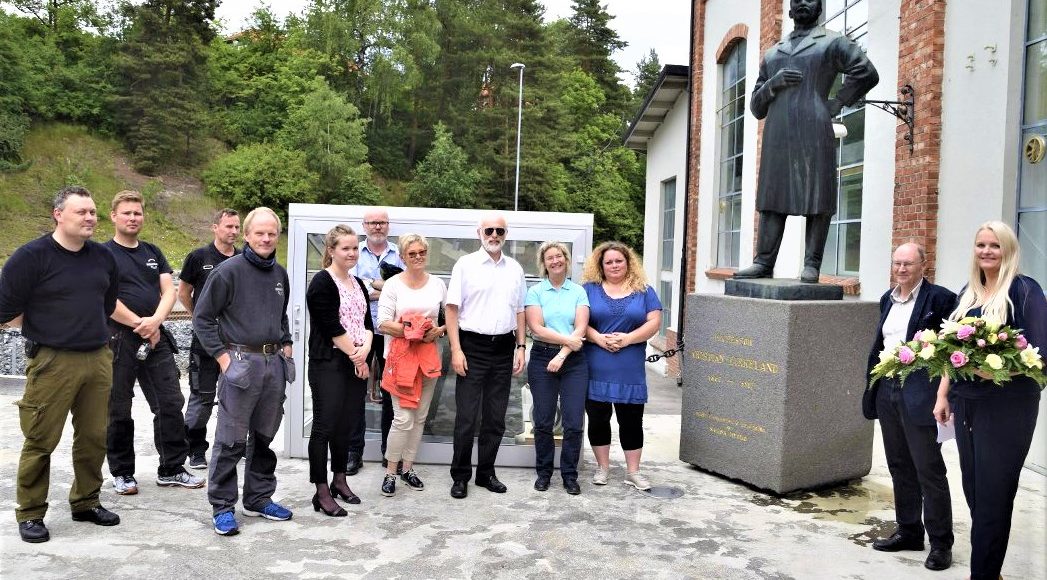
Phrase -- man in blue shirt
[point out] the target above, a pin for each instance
(375, 250)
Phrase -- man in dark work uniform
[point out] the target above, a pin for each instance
(60, 289)
(143, 349)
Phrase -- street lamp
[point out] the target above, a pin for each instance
(519, 122)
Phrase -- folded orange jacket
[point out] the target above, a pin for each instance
(408, 362)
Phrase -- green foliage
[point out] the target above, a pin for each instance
(262, 174)
(445, 177)
(647, 73)
(13, 127)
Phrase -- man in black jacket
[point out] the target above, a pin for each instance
(60, 289)
(907, 424)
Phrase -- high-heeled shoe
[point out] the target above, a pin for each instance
(346, 495)
(339, 512)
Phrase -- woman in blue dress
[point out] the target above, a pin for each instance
(994, 424)
(624, 312)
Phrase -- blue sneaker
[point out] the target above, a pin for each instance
(225, 524)
(271, 511)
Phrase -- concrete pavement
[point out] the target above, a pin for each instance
(717, 529)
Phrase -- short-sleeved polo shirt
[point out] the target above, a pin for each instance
(559, 305)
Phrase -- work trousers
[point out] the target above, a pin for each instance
(408, 425)
(484, 389)
(918, 473)
(157, 376)
(569, 386)
(59, 382)
(251, 397)
(203, 384)
(993, 436)
(338, 396)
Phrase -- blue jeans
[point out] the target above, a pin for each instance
(570, 385)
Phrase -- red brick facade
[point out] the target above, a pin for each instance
(694, 148)
(735, 34)
(921, 51)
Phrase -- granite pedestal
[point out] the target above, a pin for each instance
(772, 390)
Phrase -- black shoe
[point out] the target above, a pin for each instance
(459, 489)
(33, 531)
(492, 484)
(754, 271)
(809, 275)
(897, 543)
(938, 559)
(542, 483)
(338, 512)
(352, 467)
(198, 460)
(572, 487)
(389, 485)
(346, 494)
(412, 480)
(97, 515)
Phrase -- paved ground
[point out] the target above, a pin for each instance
(717, 529)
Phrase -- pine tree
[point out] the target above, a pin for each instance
(593, 41)
(445, 177)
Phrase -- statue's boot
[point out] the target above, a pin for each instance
(768, 240)
(755, 271)
(814, 247)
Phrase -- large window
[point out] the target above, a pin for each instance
(843, 248)
(732, 128)
(668, 258)
(1032, 194)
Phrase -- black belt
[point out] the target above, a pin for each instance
(543, 344)
(266, 349)
(491, 337)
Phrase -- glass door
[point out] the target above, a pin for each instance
(452, 234)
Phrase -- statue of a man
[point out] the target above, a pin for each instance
(798, 162)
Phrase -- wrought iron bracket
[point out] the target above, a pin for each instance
(904, 110)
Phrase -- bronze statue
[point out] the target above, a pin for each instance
(798, 162)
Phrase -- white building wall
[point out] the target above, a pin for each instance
(720, 16)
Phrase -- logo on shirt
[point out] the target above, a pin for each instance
(151, 262)
(280, 288)
(208, 267)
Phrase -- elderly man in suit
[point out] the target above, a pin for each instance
(907, 424)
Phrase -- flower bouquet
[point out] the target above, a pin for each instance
(974, 344)
(902, 360)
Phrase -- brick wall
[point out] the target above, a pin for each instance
(694, 148)
(921, 50)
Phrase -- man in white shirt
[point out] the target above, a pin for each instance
(485, 326)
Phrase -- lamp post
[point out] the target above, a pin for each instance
(519, 122)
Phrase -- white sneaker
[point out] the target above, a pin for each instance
(180, 479)
(600, 477)
(125, 485)
(638, 481)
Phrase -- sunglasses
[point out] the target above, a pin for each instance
(492, 231)
(418, 254)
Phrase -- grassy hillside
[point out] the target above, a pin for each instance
(177, 212)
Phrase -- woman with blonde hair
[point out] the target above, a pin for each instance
(624, 312)
(994, 424)
(557, 314)
(340, 337)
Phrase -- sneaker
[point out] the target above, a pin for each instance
(125, 485)
(198, 460)
(181, 479)
(638, 481)
(412, 481)
(389, 485)
(271, 511)
(225, 524)
(600, 477)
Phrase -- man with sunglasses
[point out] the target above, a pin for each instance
(375, 250)
(485, 326)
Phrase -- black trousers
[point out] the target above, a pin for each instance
(993, 436)
(772, 228)
(484, 390)
(157, 376)
(203, 389)
(914, 458)
(338, 399)
(630, 423)
(357, 438)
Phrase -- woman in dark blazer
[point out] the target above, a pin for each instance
(994, 424)
(339, 342)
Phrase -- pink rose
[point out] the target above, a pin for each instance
(1002, 336)
(1021, 342)
(981, 343)
(965, 332)
(906, 355)
(958, 359)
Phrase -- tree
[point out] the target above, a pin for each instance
(647, 72)
(444, 178)
(593, 41)
(262, 175)
(330, 132)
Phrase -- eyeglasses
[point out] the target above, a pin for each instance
(418, 254)
(905, 264)
(376, 224)
(491, 231)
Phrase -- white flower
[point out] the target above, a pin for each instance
(927, 352)
(1031, 357)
